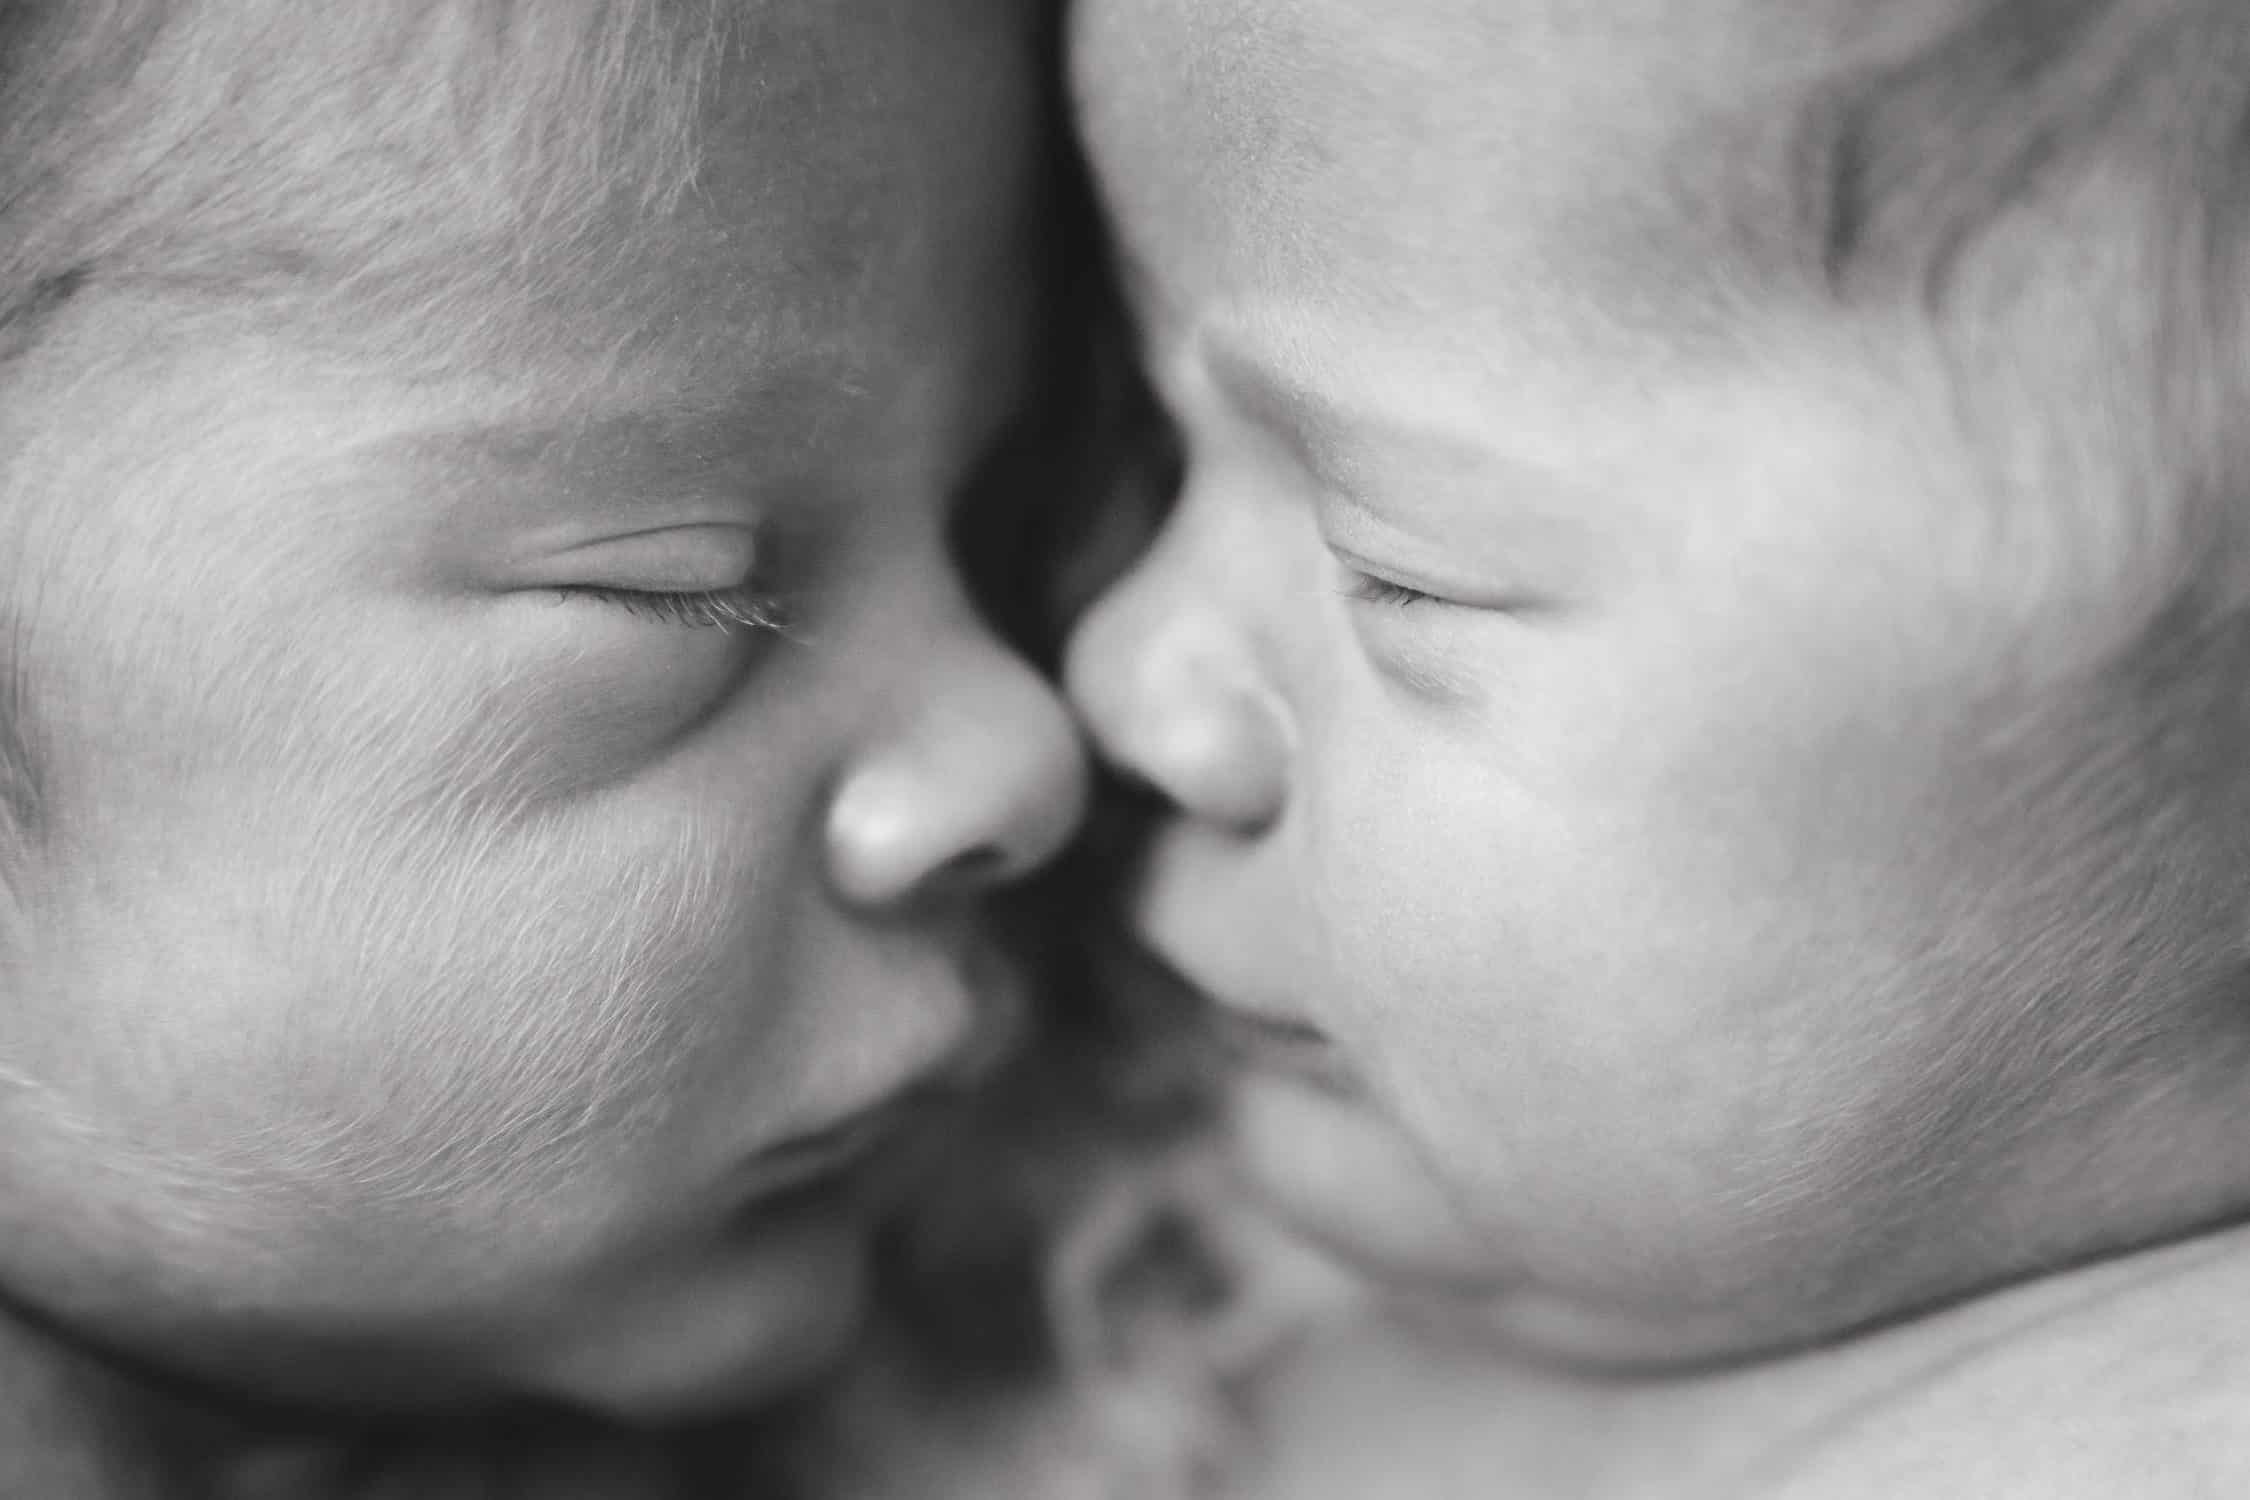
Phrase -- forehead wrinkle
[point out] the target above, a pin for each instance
(1427, 469)
(1344, 436)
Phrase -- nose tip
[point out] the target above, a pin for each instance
(1172, 701)
(982, 782)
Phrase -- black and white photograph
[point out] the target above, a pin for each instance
(1124, 749)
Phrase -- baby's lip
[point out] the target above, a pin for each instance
(1258, 1038)
(997, 986)
(1292, 1047)
(827, 1152)
(848, 1142)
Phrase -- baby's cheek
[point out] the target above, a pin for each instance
(540, 993)
(550, 892)
(558, 716)
(1413, 862)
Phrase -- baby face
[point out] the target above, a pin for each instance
(514, 828)
(1577, 661)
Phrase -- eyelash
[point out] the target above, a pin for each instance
(744, 607)
(1369, 589)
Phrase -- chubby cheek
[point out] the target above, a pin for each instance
(1418, 879)
(465, 960)
(1499, 963)
(1613, 983)
(600, 977)
(546, 1016)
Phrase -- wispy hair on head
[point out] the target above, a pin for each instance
(2063, 187)
(261, 145)
(1913, 159)
(2102, 143)
(2059, 190)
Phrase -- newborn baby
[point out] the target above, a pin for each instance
(1699, 660)
(502, 771)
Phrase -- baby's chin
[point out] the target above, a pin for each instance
(1336, 1167)
(719, 1333)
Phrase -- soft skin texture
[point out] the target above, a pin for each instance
(2114, 1380)
(1600, 688)
(432, 964)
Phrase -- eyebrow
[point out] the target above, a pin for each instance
(1315, 423)
(624, 457)
(1275, 397)
(621, 471)
(1545, 504)
(669, 440)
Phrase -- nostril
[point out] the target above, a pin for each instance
(1127, 789)
(1220, 759)
(978, 866)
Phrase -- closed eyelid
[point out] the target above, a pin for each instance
(1366, 544)
(1374, 588)
(681, 558)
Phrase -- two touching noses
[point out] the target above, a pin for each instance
(985, 777)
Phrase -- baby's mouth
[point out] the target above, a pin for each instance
(1294, 1048)
(857, 1152)
(1000, 983)
(1250, 1039)
(820, 1159)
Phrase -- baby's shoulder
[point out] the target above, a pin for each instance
(2131, 1379)
(1373, 1408)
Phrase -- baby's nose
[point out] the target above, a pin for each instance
(979, 779)
(1172, 696)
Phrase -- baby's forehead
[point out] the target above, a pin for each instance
(1642, 154)
(1488, 72)
(424, 174)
